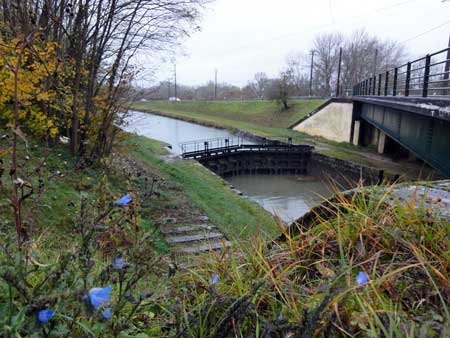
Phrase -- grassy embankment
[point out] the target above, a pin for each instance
(184, 188)
(371, 269)
(264, 118)
(235, 216)
(304, 287)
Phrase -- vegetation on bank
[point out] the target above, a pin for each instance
(77, 227)
(370, 270)
(95, 264)
(259, 117)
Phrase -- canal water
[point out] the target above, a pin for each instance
(171, 131)
(287, 197)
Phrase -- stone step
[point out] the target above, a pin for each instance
(203, 248)
(186, 229)
(193, 238)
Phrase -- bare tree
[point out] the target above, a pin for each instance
(363, 56)
(297, 70)
(261, 83)
(327, 47)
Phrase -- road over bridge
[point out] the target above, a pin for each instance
(409, 105)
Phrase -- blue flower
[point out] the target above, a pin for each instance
(280, 317)
(124, 200)
(99, 296)
(214, 279)
(106, 313)
(362, 278)
(45, 315)
(119, 263)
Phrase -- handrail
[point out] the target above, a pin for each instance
(199, 147)
(223, 142)
(426, 76)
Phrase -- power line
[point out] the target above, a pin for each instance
(426, 32)
(331, 11)
(357, 17)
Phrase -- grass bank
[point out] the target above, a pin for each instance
(260, 117)
(376, 267)
(195, 185)
(184, 188)
(371, 269)
(264, 118)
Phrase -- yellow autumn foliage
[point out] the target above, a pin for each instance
(42, 98)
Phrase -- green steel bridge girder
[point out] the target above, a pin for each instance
(421, 127)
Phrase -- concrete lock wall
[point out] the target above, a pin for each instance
(332, 122)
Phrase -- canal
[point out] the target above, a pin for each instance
(287, 197)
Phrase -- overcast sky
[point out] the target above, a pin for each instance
(242, 37)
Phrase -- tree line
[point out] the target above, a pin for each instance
(362, 56)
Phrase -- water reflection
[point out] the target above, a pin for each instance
(288, 197)
(170, 130)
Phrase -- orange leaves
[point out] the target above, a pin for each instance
(38, 80)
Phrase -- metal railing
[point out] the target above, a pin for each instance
(226, 142)
(214, 143)
(424, 77)
(235, 144)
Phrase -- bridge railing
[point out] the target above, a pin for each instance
(424, 77)
(200, 145)
(235, 142)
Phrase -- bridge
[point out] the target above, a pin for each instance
(404, 111)
(409, 105)
(238, 156)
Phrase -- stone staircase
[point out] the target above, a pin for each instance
(193, 238)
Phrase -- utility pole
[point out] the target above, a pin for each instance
(311, 74)
(168, 89)
(215, 85)
(375, 63)
(175, 75)
(338, 86)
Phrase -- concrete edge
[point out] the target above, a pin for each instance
(318, 109)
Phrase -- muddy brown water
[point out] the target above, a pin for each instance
(288, 197)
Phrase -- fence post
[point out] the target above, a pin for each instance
(366, 90)
(394, 88)
(386, 84)
(374, 85)
(408, 78)
(426, 76)
(379, 84)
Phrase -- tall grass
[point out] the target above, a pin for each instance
(305, 286)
